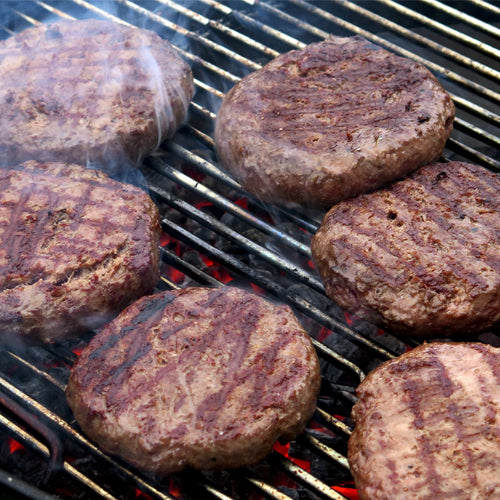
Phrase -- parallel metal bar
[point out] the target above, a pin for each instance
(234, 209)
(37, 446)
(462, 16)
(412, 35)
(298, 302)
(54, 11)
(305, 477)
(492, 9)
(23, 488)
(66, 428)
(445, 29)
(326, 450)
(190, 34)
(217, 173)
(334, 422)
(452, 75)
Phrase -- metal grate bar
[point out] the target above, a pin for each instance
(53, 10)
(446, 30)
(326, 450)
(492, 9)
(23, 488)
(304, 477)
(437, 68)
(412, 35)
(37, 446)
(63, 426)
(234, 209)
(335, 422)
(298, 302)
(480, 89)
(476, 23)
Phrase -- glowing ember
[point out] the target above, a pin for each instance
(141, 495)
(77, 350)
(348, 490)
(14, 445)
(283, 449)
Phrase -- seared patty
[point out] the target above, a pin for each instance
(76, 247)
(421, 257)
(200, 377)
(336, 119)
(427, 425)
(89, 91)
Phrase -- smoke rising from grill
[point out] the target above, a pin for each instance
(89, 92)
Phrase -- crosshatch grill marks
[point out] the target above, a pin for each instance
(70, 263)
(416, 212)
(444, 395)
(198, 376)
(43, 222)
(111, 92)
(422, 256)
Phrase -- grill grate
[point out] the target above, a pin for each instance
(214, 232)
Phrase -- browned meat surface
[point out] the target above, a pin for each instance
(89, 91)
(76, 247)
(421, 257)
(336, 119)
(200, 377)
(427, 426)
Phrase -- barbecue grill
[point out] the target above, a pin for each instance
(214, 232)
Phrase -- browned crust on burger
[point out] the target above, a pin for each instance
(421, 257)
(200, 377)
(89, 91)
(76, 247)
(427, 425)
(335, 119)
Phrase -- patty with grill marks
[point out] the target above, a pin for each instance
(338, 118)
(89, 91)
(207, 378)
(420, 257)
(427, 425)
(76, 247)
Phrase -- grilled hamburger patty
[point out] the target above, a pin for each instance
(427, 425)
(80, 91)
(200, 377)
(421, 257)
(338, 118)
(75, 248)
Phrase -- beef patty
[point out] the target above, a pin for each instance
(427, 425)
(421, 257)
(75, 248)
(89, 91)
(200, 377)
(338, 118)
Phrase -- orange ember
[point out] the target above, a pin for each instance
(348, 490)
(283, 449)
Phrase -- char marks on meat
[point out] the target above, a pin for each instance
(89, 91)
(427, 425)
(199, 377)
(333, 120)
(421, 257)
(76, 247)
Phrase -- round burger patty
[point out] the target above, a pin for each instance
(199, 377)
(76, 247)
(89, 91)
(421, 257)
(335, 119)
(427, 425)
